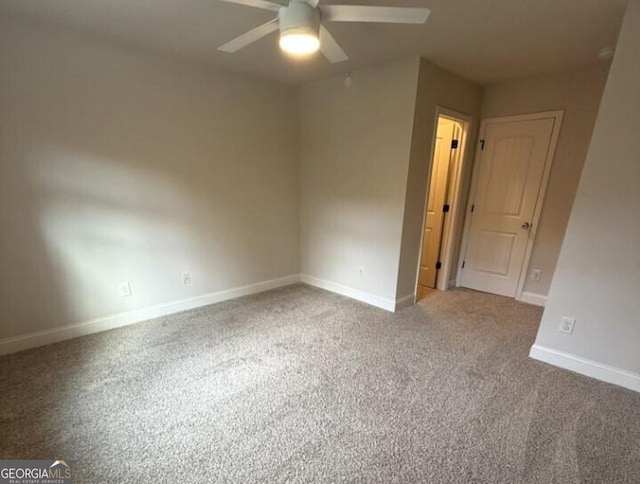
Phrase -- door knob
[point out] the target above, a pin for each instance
(526, 225)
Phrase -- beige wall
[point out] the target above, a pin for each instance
(119, 166)
(598, 275)
(365, 166)
(116, 165)
(436, 87)
(578, 94)
(355, 155)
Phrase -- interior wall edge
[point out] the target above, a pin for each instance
(437, 88)
(355, 153)
(405, 301)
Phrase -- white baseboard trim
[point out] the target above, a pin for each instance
(61, 333)
(377, 301)
(533, 298)
(405, 302)
(584, 366)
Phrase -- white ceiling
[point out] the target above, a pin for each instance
(483, 40)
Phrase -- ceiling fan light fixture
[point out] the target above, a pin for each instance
(299, 29)
(300, 42)
(302, 33)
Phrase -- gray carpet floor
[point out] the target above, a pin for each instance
(300, 385)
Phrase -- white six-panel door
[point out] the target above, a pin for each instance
(508, 184)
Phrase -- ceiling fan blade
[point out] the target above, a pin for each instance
(330, 47)
(250, 37)
(356, 13)
(263, 4)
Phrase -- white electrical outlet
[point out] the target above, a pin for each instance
(567, 324)
(186, 278)
(536, 274)
(125, 289)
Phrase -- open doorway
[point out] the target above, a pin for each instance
(442, 209)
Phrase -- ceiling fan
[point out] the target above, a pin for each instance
(302, 32)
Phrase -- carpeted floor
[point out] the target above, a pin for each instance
(300, 385)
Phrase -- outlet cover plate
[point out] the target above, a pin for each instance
(125, 289)
(186, 278)
(567, 324)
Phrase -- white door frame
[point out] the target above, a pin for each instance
(557, 115)
(444, 274)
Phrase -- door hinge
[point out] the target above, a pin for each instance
(473, 207)
(463, 263)
(482, 144)
(438, 265)
(454, 144)
(446, 208)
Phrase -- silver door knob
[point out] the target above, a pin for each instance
(526, 225)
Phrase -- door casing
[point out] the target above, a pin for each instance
(456, 215)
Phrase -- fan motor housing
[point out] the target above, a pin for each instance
(299, 17)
